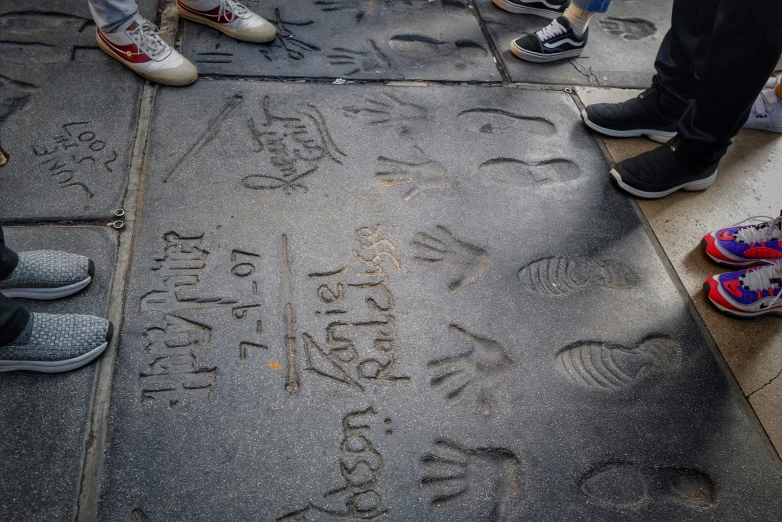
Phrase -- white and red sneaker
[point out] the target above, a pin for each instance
(747, 293)
(140, 49)
(229, 17)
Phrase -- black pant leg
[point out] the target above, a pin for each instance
(13, 316)
(745, 45)
(8, 258)
(682, 54)
(13, 319)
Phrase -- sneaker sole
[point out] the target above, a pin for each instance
(758, 126)
(53, 366)
(543, 58)
(734, 313)
(162, 81)
(692, 186)
(654, 135)
(222, 28)
(46, 294)
(517, 9)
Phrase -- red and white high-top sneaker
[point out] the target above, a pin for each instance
(229, 17)
(140, 49)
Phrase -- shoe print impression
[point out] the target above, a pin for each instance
(744, 246)
(530, 173)
(608, 367)
(424, 47)
(747, 293)
(624, 485)
(629, 28)
(56, 343)
(562, 276)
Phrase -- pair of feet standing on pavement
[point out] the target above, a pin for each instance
(563, 39)
(747, 293)
(660, 172)
(139, 47)
(51, 343)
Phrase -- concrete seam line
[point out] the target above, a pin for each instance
(495, 52)
(94, 446)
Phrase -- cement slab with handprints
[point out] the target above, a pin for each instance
(336, 313)
(353, 40)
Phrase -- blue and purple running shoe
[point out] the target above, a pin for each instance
(747, 293)
(744, 246)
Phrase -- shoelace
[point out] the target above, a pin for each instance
(234, 7)
(764, 278)
(550, 31)
(148, 39)
(767, 101)
(769, 230)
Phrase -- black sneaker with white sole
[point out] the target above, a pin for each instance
(544, 8)
(554, 42)
(640, 116)
(48, 274)
(663, 171)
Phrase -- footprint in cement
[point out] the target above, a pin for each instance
(562, 276)
(609, 367)
(530, 173)
(623, 485)
(629, 28)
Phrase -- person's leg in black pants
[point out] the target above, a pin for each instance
(713, 62)
(711, 66)
(13, 316)
(682, 54)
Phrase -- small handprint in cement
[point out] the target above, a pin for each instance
(474, 372)
(464, 262)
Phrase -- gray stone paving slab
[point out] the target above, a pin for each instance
(430, 303)
(620, 52)
(44, 415)
(67, 159)
(354, 39)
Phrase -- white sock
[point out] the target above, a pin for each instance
(578, 19)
